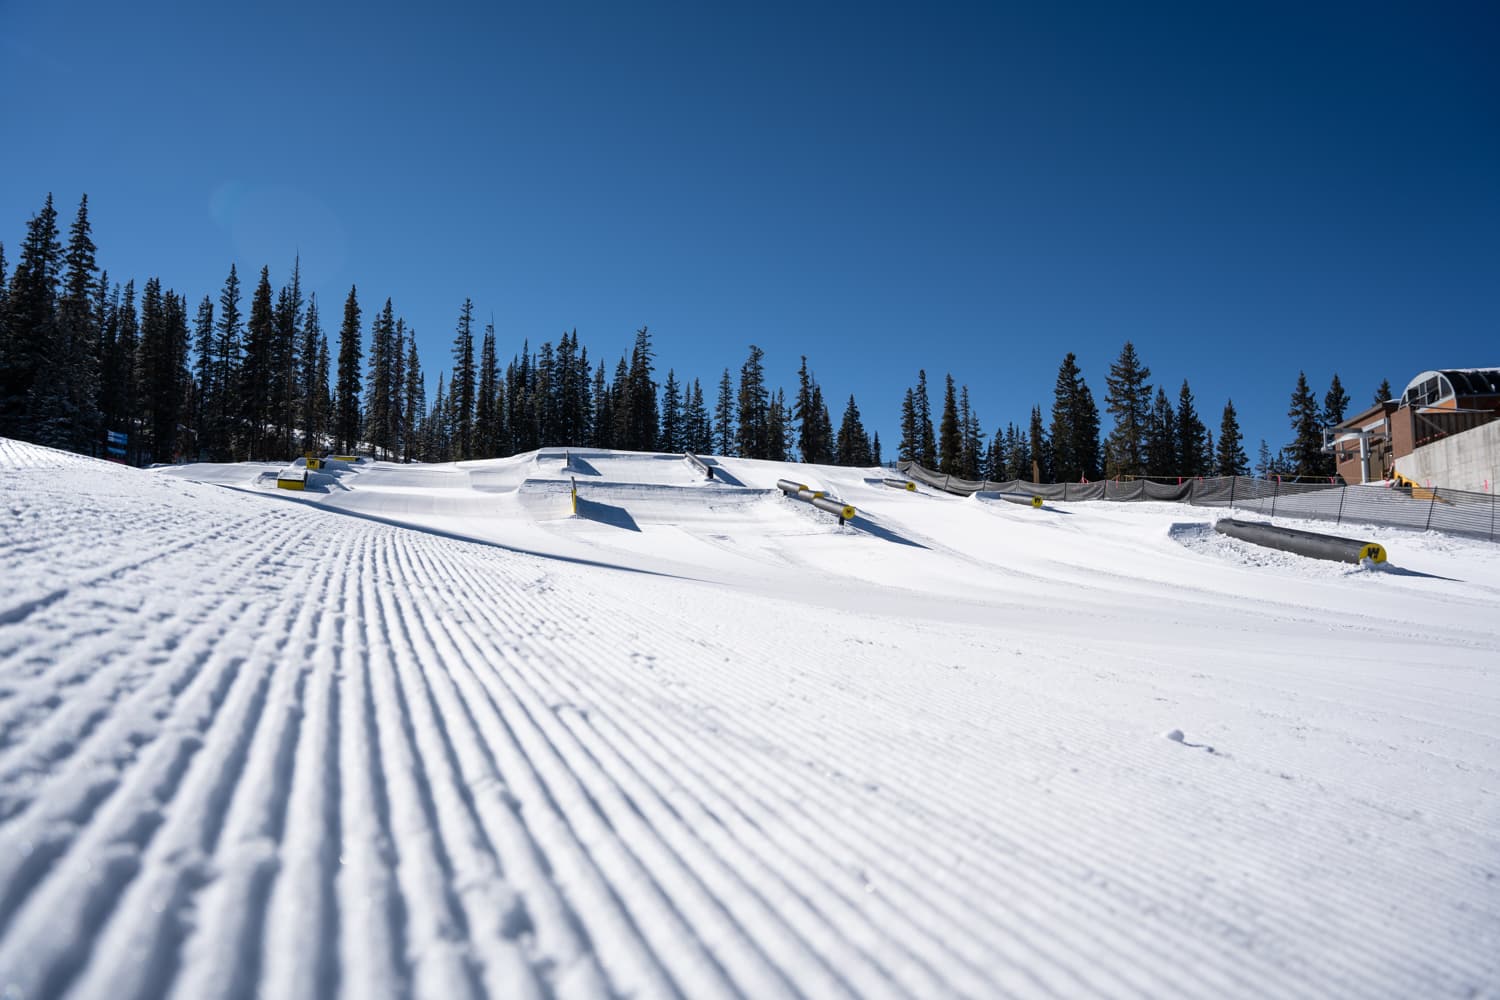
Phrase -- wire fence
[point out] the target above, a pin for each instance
(1453, 511)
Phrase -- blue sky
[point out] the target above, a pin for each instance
(1242, 191)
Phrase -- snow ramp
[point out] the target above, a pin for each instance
(252, 747)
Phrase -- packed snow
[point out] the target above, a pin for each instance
(425, 731)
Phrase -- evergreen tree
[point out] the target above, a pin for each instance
(347, 393)
(68, 394)
(487, 412)
(1195, 455)
(314, 415)
(724, 417)
(697, 426)
(1384, 393)
(462, 387)
(31, 323)
(437, 426)
(1335, 404)
(927, 455)
(604, 411)
(414, 399)
(203, 374)
(224, 404)
(853, 442)
(163, 365)
(120, 398)
(1019, 458)
(910, 441)
(1128, 400)
(754, 436)
(286, 395)
(778, 428)
(1075, 425)
(875, 449)
(1041, 466)
(812, 444)
(1305, 452)
(1231, 459)
(950, 438)
(643, 430)
(672, 438)
(1161, 438)
(378, 384)
(972, 454)
(257, 367)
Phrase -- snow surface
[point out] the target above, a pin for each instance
(700, 741)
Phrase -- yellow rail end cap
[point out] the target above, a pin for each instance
(1372, 552)
(1036, 503)
(848, 513)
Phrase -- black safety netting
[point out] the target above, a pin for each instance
(1453, 511)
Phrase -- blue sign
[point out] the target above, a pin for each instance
(115, 437)
(115, 449)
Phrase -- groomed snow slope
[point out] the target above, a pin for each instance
(700, 741)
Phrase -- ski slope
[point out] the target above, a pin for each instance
(422, 731)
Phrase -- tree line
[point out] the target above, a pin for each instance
(1150, 437)
(80, 357)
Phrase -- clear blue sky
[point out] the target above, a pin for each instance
(1243, 191)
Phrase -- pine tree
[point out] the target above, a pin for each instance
(604, 411)
(1335, 404)
(724, 426)
(927, 455)
(778, 428)
(754, 431)
(314, 415)
(642, 431)
(1075, 425)
(1384, 393)
(910, 440)
(807, 415)
(286, 394)
(487, 412)
(69, 388)
(950, 440)
(1037, 446)
(1231, 459)
(31, 323)
(1018, 448)
(875, 449)
(257, 367)
(414, 400)
(853, 442)
(1161, 438)
(698, 426)
(347, 393)
(461, 387)
(1128, 400)
(1195, 456)
(972, 454)
(203, 375)
(378, 381)
(225, 404)
(120, 377)
(1305, 452)
(671, 415)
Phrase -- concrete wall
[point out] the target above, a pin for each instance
(1461, 462)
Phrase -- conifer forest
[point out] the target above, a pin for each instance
(258, 370)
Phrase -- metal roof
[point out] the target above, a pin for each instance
(1439, 384)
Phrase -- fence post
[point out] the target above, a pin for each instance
(1232, 481)
(1275, 492)
(1342, 493)
(1430, 504)
(1492, 516)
